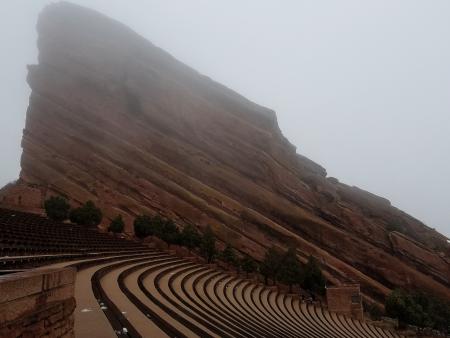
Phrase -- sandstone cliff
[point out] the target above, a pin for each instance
(114, 119)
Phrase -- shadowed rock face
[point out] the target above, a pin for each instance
(114, 119)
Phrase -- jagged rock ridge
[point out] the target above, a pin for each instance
(114, 119)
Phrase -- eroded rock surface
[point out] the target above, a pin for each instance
(114, 119)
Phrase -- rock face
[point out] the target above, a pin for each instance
(116, 120)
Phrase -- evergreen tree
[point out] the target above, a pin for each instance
(57, 208)
(208, 245)
(313, 279)
(402, 305)
(142, 225)
(228, 255)
(170, 232)
(87, 214)
(116, 225)
(419, 309)
(190, 237)
(374, 310)
(290, 271)
(248, 265)
(270, 265)
(156, 227)
(238, 265)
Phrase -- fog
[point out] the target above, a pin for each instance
(361, 87)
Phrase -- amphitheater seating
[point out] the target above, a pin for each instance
(28, 240)
(136, 291)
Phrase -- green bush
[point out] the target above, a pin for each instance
(57, 208)
(116, 225)
(87, 214)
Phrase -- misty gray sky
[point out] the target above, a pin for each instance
(361, 87)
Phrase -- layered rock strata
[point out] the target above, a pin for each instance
(114, 119)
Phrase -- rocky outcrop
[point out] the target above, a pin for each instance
(114, 119)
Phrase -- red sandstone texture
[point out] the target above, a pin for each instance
(114, 119)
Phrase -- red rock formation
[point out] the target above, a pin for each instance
(114, 119)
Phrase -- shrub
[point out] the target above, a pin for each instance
(394, 227)
(87, 214)
(116, 225)
(208, 245)
(57, 208)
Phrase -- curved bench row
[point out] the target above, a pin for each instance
(125, 289)
(158, 294)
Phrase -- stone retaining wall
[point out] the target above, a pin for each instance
(37, 303)
(346, 300)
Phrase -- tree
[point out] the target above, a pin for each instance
(401, 305)
(170, 232)
(116, 225)
(87, 214)
(142, 225)
(290, 271)
(270, 265)
(208, 245)
(156, 226)
(248, 265)
(313, 279)
(238, 265)
(190, 237)
(228, 255)
(419, 309)
(374, 310)
(57, 208)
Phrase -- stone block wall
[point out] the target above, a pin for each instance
(37, 303)
(346, 300)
